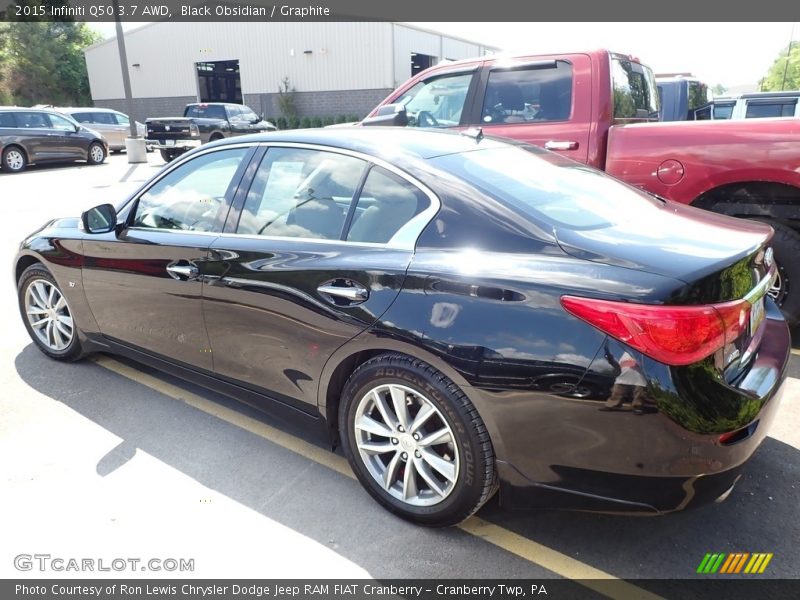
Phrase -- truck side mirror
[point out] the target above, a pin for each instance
(390, 115)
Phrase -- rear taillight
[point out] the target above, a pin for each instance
(674, 335)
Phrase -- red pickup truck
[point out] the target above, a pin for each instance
(597, 108)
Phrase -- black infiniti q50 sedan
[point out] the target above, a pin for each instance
(459, 314)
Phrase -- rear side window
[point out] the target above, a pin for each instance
(761, 109)
(31, 120)
(386, 203)
(7, 119)
(635, 95)
(301, 193)
(537, 93)
(83, 117)
(550, 189)
(104, 118)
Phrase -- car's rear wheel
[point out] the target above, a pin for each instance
(415, 441)
(14, 160)
(96, 154)
(47, 314)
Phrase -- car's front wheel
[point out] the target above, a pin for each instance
(47, 314)
(96, 154)
(415, 441)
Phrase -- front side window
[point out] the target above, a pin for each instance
(61, 123)
(122, 119)
(723, 111)
(386, 203)
(301, 193)
(635, 95)
(436, 102)
(536, 93)
(191, 197)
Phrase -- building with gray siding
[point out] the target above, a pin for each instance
(335, 68)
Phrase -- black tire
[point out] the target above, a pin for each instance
(34, 274)
(215, 137)
(168, 155)
(476, 479)
(14, 159)
(786, 248)
(96, 154)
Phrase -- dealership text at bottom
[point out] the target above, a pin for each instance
(207, 591)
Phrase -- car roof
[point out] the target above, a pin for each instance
(25, 109)
(382, 142)
(86, 109)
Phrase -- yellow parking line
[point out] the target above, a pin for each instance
(541, 555)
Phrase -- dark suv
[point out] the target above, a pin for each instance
(30, 135)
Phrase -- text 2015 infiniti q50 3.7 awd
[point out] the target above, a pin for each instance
(458, 313)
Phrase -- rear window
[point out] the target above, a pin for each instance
(635, 92)
(7, 119)
(205, 111)
(759, 109)
(550, 189)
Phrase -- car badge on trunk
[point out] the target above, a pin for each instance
(166, 128)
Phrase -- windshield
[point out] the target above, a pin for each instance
(550, 189)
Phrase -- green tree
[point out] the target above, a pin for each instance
(43, 63)
(286, 100)
(719, 89)
(774, 79)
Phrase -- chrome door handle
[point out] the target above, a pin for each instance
(182, 272)
(351, 293)
(560, 145)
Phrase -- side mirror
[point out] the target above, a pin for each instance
(100, 219)
(390, 114)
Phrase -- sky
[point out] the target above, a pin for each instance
(729, 54)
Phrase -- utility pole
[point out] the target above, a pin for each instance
(788, 56)
(134, 145)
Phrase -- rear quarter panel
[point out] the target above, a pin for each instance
(713, 153)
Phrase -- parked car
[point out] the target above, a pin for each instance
(427, 299)
(114, 125)
(33, 136)
(201, 123)
(755, 105)
(596, 107)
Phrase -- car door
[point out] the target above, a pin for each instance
(311, 257)
(534, 102)
(143, 283)
(67, 143)
(40, 141)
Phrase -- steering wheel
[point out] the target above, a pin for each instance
(426, 119)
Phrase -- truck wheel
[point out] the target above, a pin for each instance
(167, 155)
(786, 291)
(215, 137)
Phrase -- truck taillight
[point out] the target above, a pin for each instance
(674, 335)
(193, 130)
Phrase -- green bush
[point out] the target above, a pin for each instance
(293, 122)
(281, 123)
(341, 118)
(327, 121)
(305, 122)
(316, 122)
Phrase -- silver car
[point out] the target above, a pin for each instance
(113, 125)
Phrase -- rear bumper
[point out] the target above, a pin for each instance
(174, 145)
(656, 458)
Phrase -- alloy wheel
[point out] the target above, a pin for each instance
(406, 444)
(14, 160)
(48, 315)
(97, 153)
